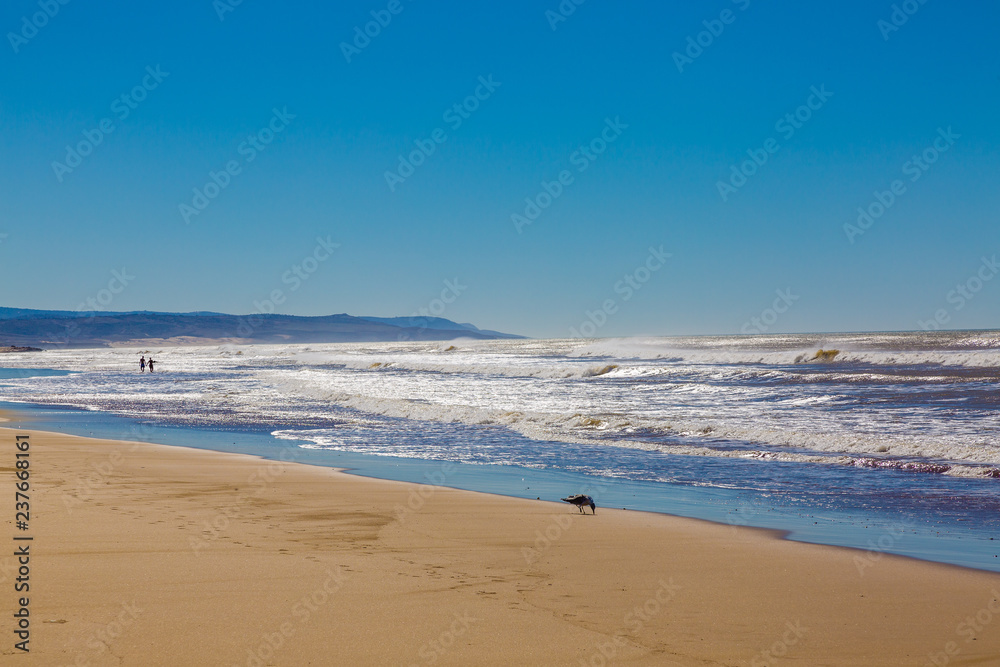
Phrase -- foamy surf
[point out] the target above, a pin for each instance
(873, 427)
(920, 402)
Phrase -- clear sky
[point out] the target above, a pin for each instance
(739, 138)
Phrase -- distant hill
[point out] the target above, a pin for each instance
(62, 328)
(437, 323)
(29, 314)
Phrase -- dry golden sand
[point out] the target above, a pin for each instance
(153, 555)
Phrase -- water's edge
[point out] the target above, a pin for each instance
(872, 533)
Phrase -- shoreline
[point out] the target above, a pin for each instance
(153, 547)
(772, 533)
(960, 545)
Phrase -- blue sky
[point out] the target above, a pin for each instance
(328, 127)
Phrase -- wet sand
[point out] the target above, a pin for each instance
(154, 555)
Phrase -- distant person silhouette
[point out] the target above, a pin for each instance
(142, 364)
(150, 364)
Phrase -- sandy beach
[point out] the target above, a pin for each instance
(154, 555)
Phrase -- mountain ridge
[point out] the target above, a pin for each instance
(62, 328)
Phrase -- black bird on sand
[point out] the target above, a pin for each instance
(581, 501)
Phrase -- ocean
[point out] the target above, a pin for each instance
(887, 442)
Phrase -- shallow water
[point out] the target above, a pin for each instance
(899, 432)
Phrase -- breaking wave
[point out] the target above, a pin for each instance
(920, 402)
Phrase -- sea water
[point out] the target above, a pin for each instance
(890, 444)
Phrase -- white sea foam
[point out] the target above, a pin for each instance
(569, 425)
(884, 397)
(980, 356)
